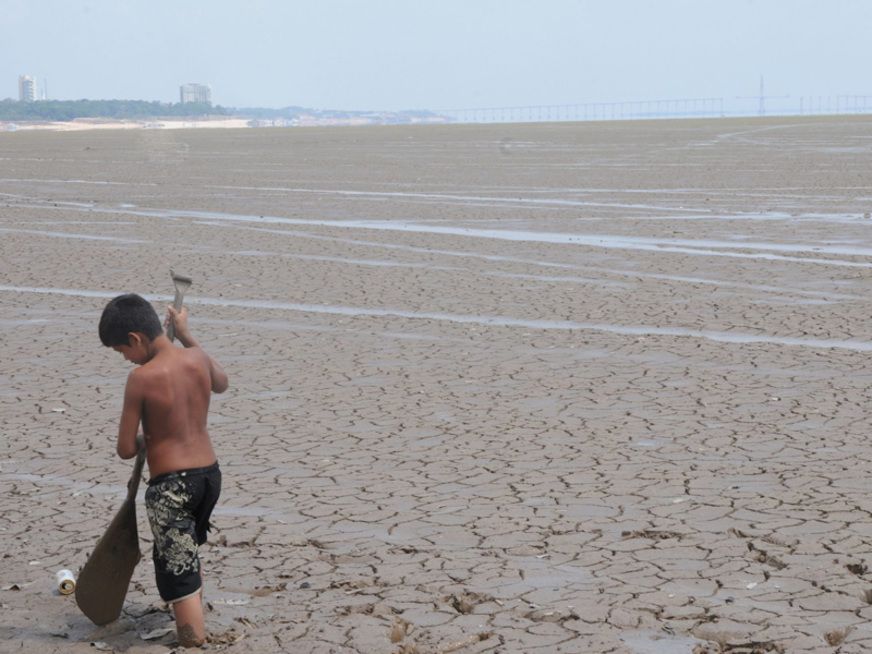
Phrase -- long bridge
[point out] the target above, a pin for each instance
(715, 107)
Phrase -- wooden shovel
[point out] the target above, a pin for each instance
(102, 584)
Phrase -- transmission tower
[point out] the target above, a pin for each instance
(761, 98)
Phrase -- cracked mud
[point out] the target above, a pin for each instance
(559, 388)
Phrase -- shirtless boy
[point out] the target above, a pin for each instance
(169, 394)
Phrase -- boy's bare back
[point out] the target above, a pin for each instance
(169, 393)
(175, 388)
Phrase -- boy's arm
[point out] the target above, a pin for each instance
(184, 336)
(220, 382)
(131, 415)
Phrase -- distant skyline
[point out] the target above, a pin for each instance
(401, 54)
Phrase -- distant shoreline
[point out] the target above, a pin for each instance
(238, 122)
(82, 124)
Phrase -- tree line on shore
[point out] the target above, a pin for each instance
(57, 110)
(61, 110)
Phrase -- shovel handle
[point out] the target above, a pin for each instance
(177, 305)
(136, 475)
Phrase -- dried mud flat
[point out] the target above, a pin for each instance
(545, 388)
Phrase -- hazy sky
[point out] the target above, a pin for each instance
(435, 54)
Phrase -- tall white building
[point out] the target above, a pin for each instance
(26, 88)
(200, 93)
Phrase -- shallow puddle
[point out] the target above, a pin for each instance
(652, 642)
(771, 251)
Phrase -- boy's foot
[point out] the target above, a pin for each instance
(188, 637)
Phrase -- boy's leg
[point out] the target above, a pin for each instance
(179, 515)
(190, 624)
(190, 620)
(175, 554)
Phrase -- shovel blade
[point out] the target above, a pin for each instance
(103, 582)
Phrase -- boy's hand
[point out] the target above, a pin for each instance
(179, 320)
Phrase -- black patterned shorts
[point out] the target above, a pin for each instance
(179, 505)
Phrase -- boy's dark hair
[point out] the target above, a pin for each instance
(128, 313)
